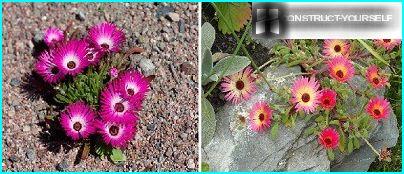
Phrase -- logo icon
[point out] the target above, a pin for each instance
(267, 20)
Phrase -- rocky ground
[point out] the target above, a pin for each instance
(167, 137)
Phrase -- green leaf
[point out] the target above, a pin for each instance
(274, 130)
(117, 157)
(235, 16)
(230, 65)
(310, 130)
(356, 143)
(208, 37)
(205, 167)
(350, 145)
(208, 122)
(61, 98)
(334, 122)
(330, 154)
(101, 149)
(207, 63)
(342, 144)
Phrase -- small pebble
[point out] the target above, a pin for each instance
(38, 37)
(181, 26)
(80, 16)
(31, 154)
(191, 164)
(63, 166)
(173, 17)
(188, 68)
(147, 66)
(26, 128)
(15, 82)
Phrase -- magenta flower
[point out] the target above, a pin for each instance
(70, 57)
(93, 56)
(78, 120)
(47, 69)
(116, 134)
(53, 36)
(113, 72)
(134, 85)
(106, 37)
(114, 106)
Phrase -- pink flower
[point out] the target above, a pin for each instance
(94, 56)
(53, 36)
(70, 57)
(113, 72)
(134, 85)
(106, 37)
(341, 69)
(305, 94)
(387, 44)
(239, 86)
(78, 120)
(260, 117)
(336, 47)
(116, 134)
(114, 106)
(47, 69)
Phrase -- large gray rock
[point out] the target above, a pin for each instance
(236, 148)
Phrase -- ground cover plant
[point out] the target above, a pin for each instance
(99, 93)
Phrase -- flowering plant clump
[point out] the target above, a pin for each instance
(99, 92)
(325, 89)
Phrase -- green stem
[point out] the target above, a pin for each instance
(373, 52)
(370, 145)
(239, 43)
(327, 114)
(264, 65)
(245, 51)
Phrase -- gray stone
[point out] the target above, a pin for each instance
(147, 67)
(266, 42)
(235, 147)
(386, 135)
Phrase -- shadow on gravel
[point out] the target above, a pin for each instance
(39, 47)
(34, 87)
(53, 137)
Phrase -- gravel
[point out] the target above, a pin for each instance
(169, 110)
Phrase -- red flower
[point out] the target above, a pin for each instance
(328, 99)
(378, 108)
(329, 138)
